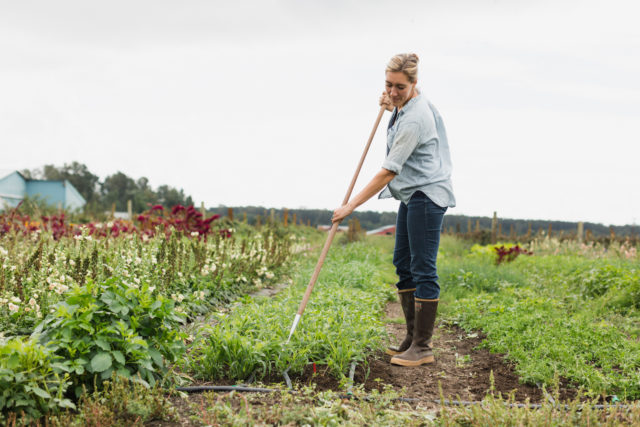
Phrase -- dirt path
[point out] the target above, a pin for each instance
(462, 370)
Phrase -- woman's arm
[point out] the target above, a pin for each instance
(379, 181)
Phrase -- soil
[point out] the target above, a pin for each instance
(462, 370)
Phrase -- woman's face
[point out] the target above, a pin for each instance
(398, 87)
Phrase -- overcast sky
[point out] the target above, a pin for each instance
(271, 102)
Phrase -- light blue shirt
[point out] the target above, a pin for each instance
(418, 152)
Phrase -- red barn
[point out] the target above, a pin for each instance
(387, 230)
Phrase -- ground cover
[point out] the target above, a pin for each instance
(568, 311)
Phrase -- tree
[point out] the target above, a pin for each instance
(118, 188)
(169, 196)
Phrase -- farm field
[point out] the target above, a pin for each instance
(100, 330)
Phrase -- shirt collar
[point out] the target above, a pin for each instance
(410, 104)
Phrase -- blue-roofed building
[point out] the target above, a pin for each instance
(14, 187)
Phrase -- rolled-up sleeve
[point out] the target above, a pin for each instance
(404, 144)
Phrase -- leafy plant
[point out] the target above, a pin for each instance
(113, 326)
(31, 381)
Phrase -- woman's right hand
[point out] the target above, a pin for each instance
(386, 101)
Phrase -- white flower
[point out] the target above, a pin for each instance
(110, 224)
(72, 262)
(16, 300)
(152, 288)
(3, 251)
(194, 234)
(32, 302)
(13, 308)
(78, 237)
(135, 279)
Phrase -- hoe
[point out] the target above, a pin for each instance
(332, 232)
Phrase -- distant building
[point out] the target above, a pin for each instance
(387, 230)
(14, 187)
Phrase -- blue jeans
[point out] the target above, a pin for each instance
(417, 239)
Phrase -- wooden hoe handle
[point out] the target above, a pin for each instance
(334, 229)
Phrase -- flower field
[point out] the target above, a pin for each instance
(100, 322)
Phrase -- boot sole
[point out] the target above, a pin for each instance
(393, 352)
(423, 361)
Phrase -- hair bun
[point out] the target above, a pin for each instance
(413, 55)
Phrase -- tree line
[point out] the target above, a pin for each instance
(117, 189)
(370, 220)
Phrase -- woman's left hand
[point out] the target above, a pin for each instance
(341, 213)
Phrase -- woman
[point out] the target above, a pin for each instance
(416, 171)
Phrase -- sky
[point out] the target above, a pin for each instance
(270, 103)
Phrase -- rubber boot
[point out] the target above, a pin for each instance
(420, 352)
(407, 301)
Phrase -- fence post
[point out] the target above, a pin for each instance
(512, 233)
(494, 225)
(286, 217)
(273, 216)
(113, 210)
(230, 213)
(550, 233)
(580, 231)
(529, 231)
(130, 210)
(203, 211)
(258, 220)
(294, 219)
(244, 217)
(469, 226)
(477, 225)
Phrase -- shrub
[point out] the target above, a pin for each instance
(113, 326)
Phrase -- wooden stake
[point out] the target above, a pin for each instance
(494, 227)
(580, 231)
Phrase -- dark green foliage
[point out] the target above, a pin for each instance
(101, 328)
(30, 381)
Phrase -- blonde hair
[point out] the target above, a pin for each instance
(406, 63)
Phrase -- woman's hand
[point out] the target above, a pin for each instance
(342, 212)
(386, 101)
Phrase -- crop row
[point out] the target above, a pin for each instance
(342, 323)
(567, 313)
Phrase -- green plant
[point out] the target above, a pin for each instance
(341, 324)
(31, 381)
(113, 326)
